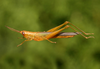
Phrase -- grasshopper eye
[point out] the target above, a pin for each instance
(23, 33)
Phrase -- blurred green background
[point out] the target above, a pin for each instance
(42, 15)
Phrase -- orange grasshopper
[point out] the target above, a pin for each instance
(52, 33)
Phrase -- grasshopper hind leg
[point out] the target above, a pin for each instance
(81, 31)
(56, 28)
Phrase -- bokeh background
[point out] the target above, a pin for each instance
(42, 15)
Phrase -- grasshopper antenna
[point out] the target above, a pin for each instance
(13, 29)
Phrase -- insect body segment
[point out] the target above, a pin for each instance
(52, 33)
